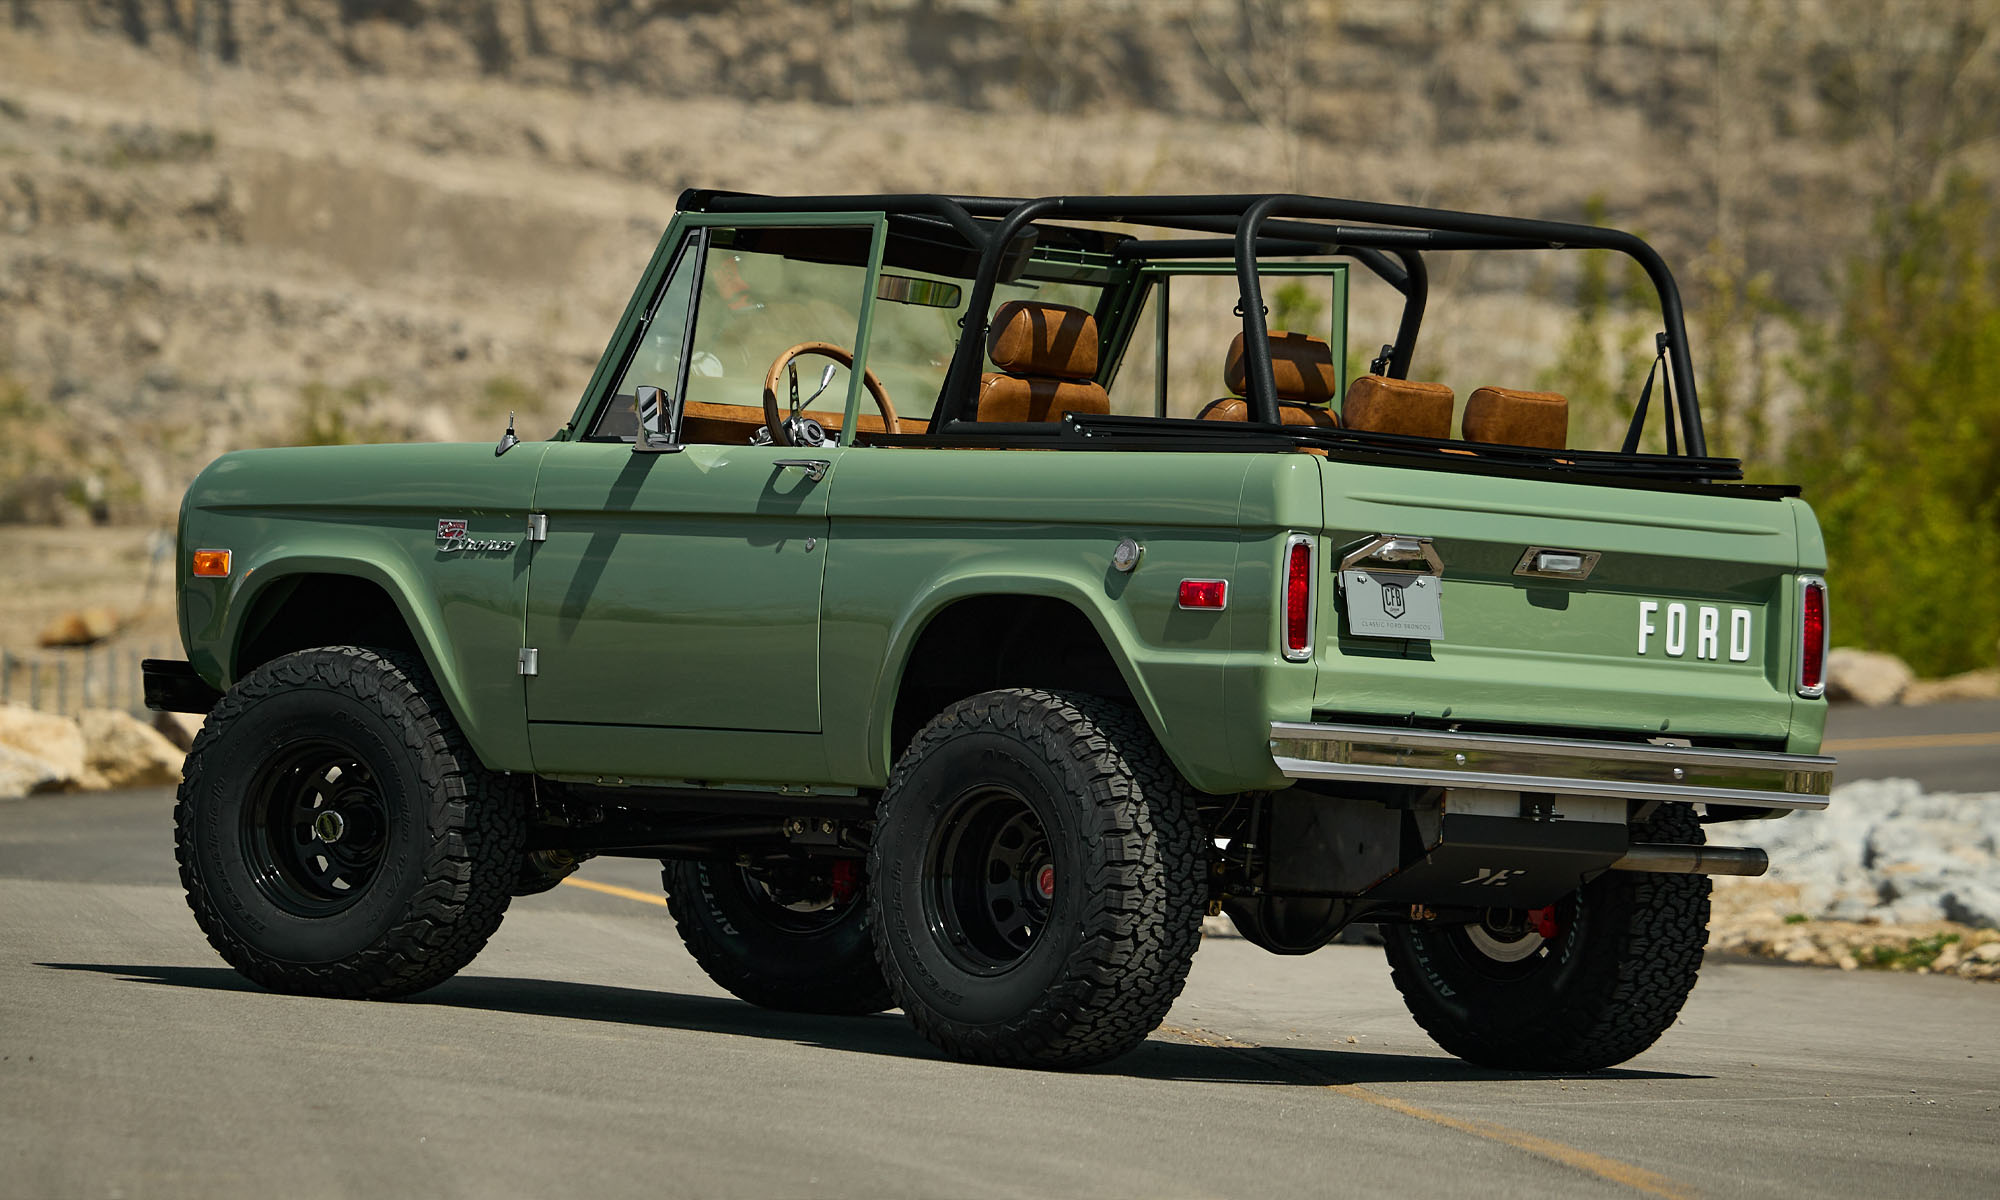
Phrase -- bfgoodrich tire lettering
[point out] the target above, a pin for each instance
(336, 836)
(1039, 880)
(1624, 957)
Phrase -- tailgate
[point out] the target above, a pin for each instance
(1684, 626)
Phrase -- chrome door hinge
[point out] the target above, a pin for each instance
(530, 661)
(538, 527)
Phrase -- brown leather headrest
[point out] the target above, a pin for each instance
(1412, 407)
(1236, 408)
(1051, 340)
(1301, 366)
(1506, 417)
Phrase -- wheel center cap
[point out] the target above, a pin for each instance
(1045, 882)
(329, 826)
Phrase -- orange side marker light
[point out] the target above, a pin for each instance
(211, 564)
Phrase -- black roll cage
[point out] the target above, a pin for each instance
(1390, 242)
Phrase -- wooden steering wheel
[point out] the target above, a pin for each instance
(780, 434)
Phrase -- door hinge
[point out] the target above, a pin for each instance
(530, 661)
(538, 527)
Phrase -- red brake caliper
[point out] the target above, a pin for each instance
(846, 879)
(1543, 921)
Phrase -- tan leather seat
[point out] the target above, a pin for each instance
(1047, 355)
(1302, 369)
(1503, 416)
(1411, 407)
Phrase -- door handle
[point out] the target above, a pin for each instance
(815, 467)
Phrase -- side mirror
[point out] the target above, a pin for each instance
(655, 434)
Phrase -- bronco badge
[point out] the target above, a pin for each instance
(453, 538)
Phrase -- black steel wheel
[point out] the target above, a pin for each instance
(790, 934)
(991, 880)
(1585, 984)
(1041, 876)
(335, 834)
(314, 828)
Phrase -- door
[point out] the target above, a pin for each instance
(674, 607)
(678, 590)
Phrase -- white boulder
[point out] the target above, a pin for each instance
(1867, 676)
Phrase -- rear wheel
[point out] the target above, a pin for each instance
(1040, 880)
(791, 935)
(1591, 981)
(335, 834)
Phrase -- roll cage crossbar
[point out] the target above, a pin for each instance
(1389, 240)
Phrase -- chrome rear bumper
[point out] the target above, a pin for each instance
(1636, 771)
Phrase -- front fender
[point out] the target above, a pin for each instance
(487, 703)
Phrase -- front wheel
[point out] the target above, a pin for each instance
(335, 834)
(1039, 880)
(1586, 984)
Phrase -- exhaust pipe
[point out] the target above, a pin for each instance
(1669, 859)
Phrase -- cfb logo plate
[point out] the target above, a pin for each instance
(1702, 631)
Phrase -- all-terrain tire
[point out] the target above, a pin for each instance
(401, 885)
(1627, 949)
(820, 961)
(1039, 880)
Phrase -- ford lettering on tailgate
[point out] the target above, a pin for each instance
(1707, 637)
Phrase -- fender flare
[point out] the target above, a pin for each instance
(1112, 632)
(423, 620)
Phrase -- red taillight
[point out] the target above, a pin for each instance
(1812, 637)
(1298, 599)
(1204, 593)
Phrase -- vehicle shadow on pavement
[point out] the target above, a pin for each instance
(1303, 1066)
(1163, 1057)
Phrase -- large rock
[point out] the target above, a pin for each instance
(56, 741)
(22, 774)
(84, 627)
(122, 751)
(1972, 685)
(1868, 676)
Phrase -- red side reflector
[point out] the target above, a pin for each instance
(211, 564)
(1298, 600)
(1204, 593)
(1812, 639)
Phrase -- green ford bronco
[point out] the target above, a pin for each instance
(1063, 601)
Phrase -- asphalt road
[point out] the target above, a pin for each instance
(1951, 747)
(584, 1054)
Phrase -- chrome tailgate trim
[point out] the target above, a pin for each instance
(1432, 758)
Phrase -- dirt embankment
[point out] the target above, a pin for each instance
(243, 222)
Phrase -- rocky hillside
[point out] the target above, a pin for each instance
(241, 222)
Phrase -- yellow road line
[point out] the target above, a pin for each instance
(1609, 1169)
(1914, 741)
(612, 889)
(1614, 1170)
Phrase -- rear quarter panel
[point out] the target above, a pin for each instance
(916, 529)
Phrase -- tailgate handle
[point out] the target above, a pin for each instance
(1547, 562)
(1398, 551)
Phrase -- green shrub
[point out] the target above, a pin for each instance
(1898, 441)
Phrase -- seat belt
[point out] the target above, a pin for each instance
(1638, 425)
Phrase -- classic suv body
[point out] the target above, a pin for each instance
(678, 595)
(968, 690)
